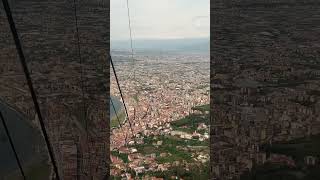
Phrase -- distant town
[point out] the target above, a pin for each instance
(165, 96)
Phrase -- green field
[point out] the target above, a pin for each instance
(202, 108)
(199, 172)
(281, 172)
(169, 145)
(297, 149)
(190, 123)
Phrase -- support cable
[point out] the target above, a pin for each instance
(124, 104)
(130, 30)
(12, 145)
(29, 81)
(131, 46)
(85, 118)
(80, 59)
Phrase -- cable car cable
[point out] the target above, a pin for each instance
(124, 104)
(29, 81)
(12, 145)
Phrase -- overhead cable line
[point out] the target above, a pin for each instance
(81, 70)
(130, 30)
(12, 145)
(85, 118)
(29, 81)
(118, 84)
(131, 46)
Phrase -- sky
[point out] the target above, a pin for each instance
(160, 19)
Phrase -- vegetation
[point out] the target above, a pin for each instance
(203, 86)
(190, 123)
(122, 156)
(169, 145)
(269, 171)
(135, 97)
(282, 172)
(202, 108)
(114, 121)
(175, 149)
(196, 172)
(115, 177)
(297, 149)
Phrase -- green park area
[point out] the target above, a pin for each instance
(190, 123)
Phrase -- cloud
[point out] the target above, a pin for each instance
(160, 18)
(201, 22)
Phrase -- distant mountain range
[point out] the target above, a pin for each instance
(194, 45)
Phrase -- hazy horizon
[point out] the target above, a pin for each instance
(160, 19)
(178, 45)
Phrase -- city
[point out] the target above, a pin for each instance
(265, 90)
(169, 87)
